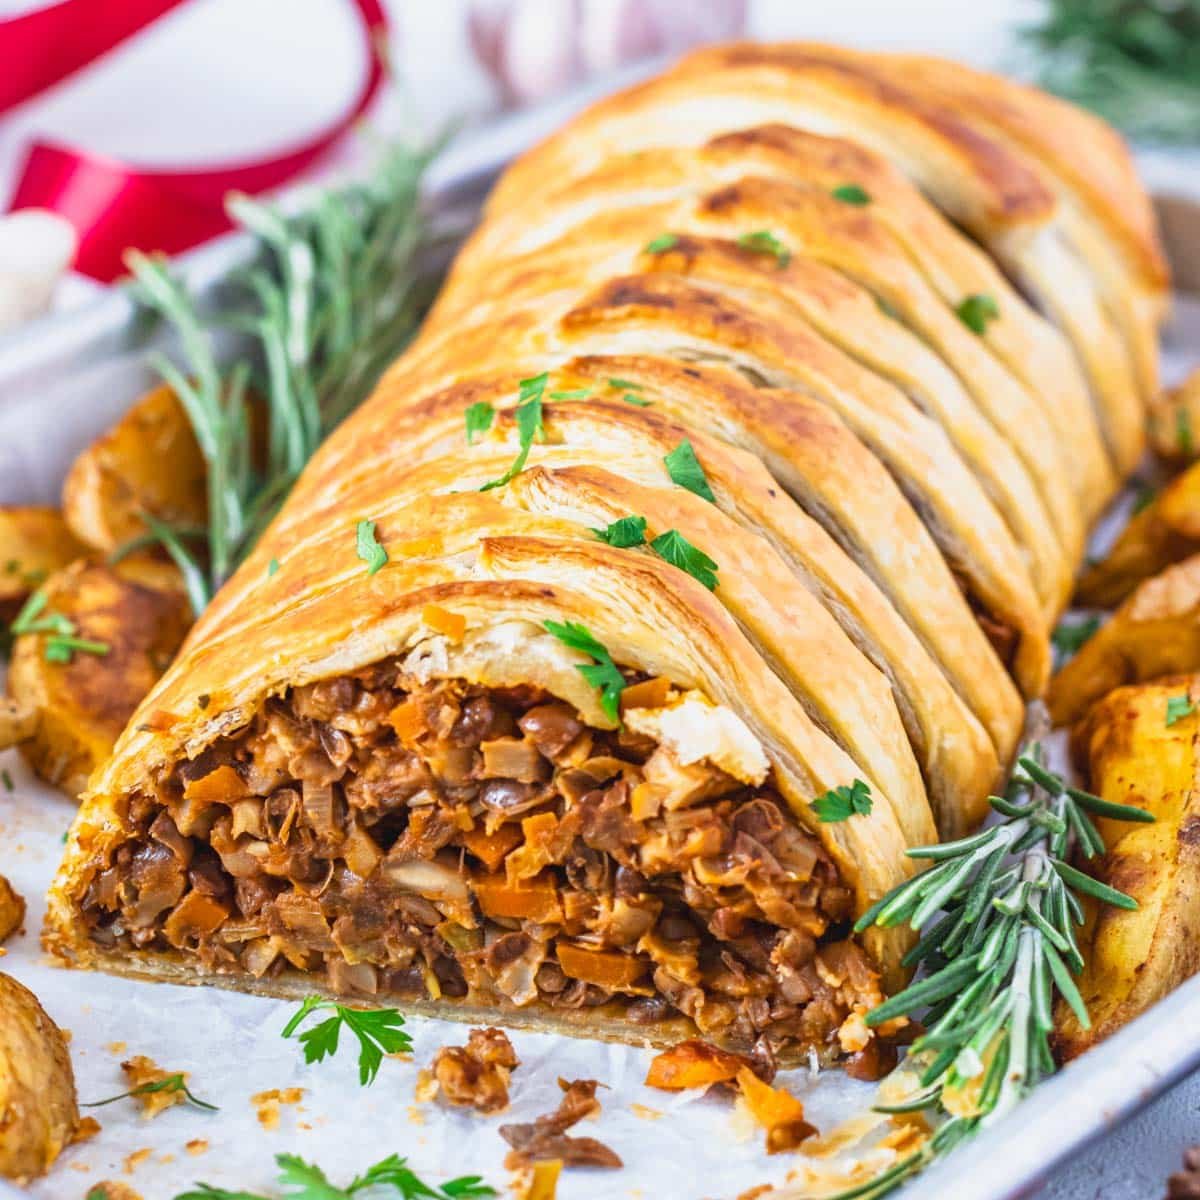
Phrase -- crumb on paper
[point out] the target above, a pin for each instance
(140, 1071)
(197, 1146)
(67, 1036)
(472, 1076)
(267, 1104)
(166, 1159)
(416, 1115)
(87, 1129)
(117, 1047)
(546, 1140)
(762, 1189)
(135, 1160)
(646, 1112)
(111, 1190)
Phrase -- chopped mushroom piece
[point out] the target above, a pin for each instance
(476, 1075)
(12, 910)
(545, 1139)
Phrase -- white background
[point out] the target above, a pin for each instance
(223, 79)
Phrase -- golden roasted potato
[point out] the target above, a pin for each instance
(149, 461)
(1175, 421)
(1167, 530)
(1155, 632)
(17, 722)
(139, 611)
(12, 910)
(1132, 958)
(33, 542)
(38, 1110)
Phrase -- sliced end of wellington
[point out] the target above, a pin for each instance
(496, 797)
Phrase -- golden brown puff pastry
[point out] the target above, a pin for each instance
(1028, 345)
(460, 638)
(815, 224)
(959, 765)
(1002, 196)
(764, 315)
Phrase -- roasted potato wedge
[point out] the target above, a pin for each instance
(33, 543)
(12, 910)
(38, 1110)
(148, 462)
(1167, 530)
(1175, 421)
(1155, 632)
(1135, 957)
(139, 610)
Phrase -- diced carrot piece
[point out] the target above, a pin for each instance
(534, 900)
(490, 848)
(776, 1110)
(650, 693)
(442, 620)
(693, 1064)
(407, 719)
(538, 832)
(543, 1183)
(194, 916)
(645, 801)
(604, 968)
(221, 785)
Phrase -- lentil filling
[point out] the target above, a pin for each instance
(441, 839)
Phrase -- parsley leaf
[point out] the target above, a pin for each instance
(603, 673)
(624, 532)
(1179, 707)
(685, 470)
(1143, 498)
(841, 803)
(369, 550)
(763, 241)
(851, 193)
(1184, 438)
(679, 552)
(379, 1031)
(1069, 637)
(976, 311)
(572, 394)
(306, 1181)
(624, 385)
(662, 243)
(172, 1083)
(529, 426)
(479, 417)
(272, 567)
(7, 779)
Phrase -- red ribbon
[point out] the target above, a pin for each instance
(114, 206)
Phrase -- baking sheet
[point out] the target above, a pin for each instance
(65, 381)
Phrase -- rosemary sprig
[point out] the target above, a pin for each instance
(1135, 62)
(997, 913)
(335, 294)
(172, 1083)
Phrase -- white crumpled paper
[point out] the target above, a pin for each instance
(675, 1147)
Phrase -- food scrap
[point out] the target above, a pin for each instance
(776, 1110)
(696, 1064)
(197, 1146)
(12, 910)
(111, 1190)
(267, 1104)
(472, 1076)
(140, 1071)
(135, 1160)
(543, 1181)
(545, 1139)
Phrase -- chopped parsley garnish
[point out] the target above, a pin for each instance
(61, 642)
(272, 566)
(572, 394)
(479, 417)
(603, 673)
(529, 426)
(369, 550)
(662, 243)
(624, 532)
(379, 1031)
(624, 385)
(674, 548)
(1179, 707)
(685, 470)
(1143, 498)
(842, 803)
(6, 778)
(630, 398)
(306, 1181)
(1068, 638)
(851, 193)
(172, 1083)
(1184, 437)
(976, 311)
(763, 241)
